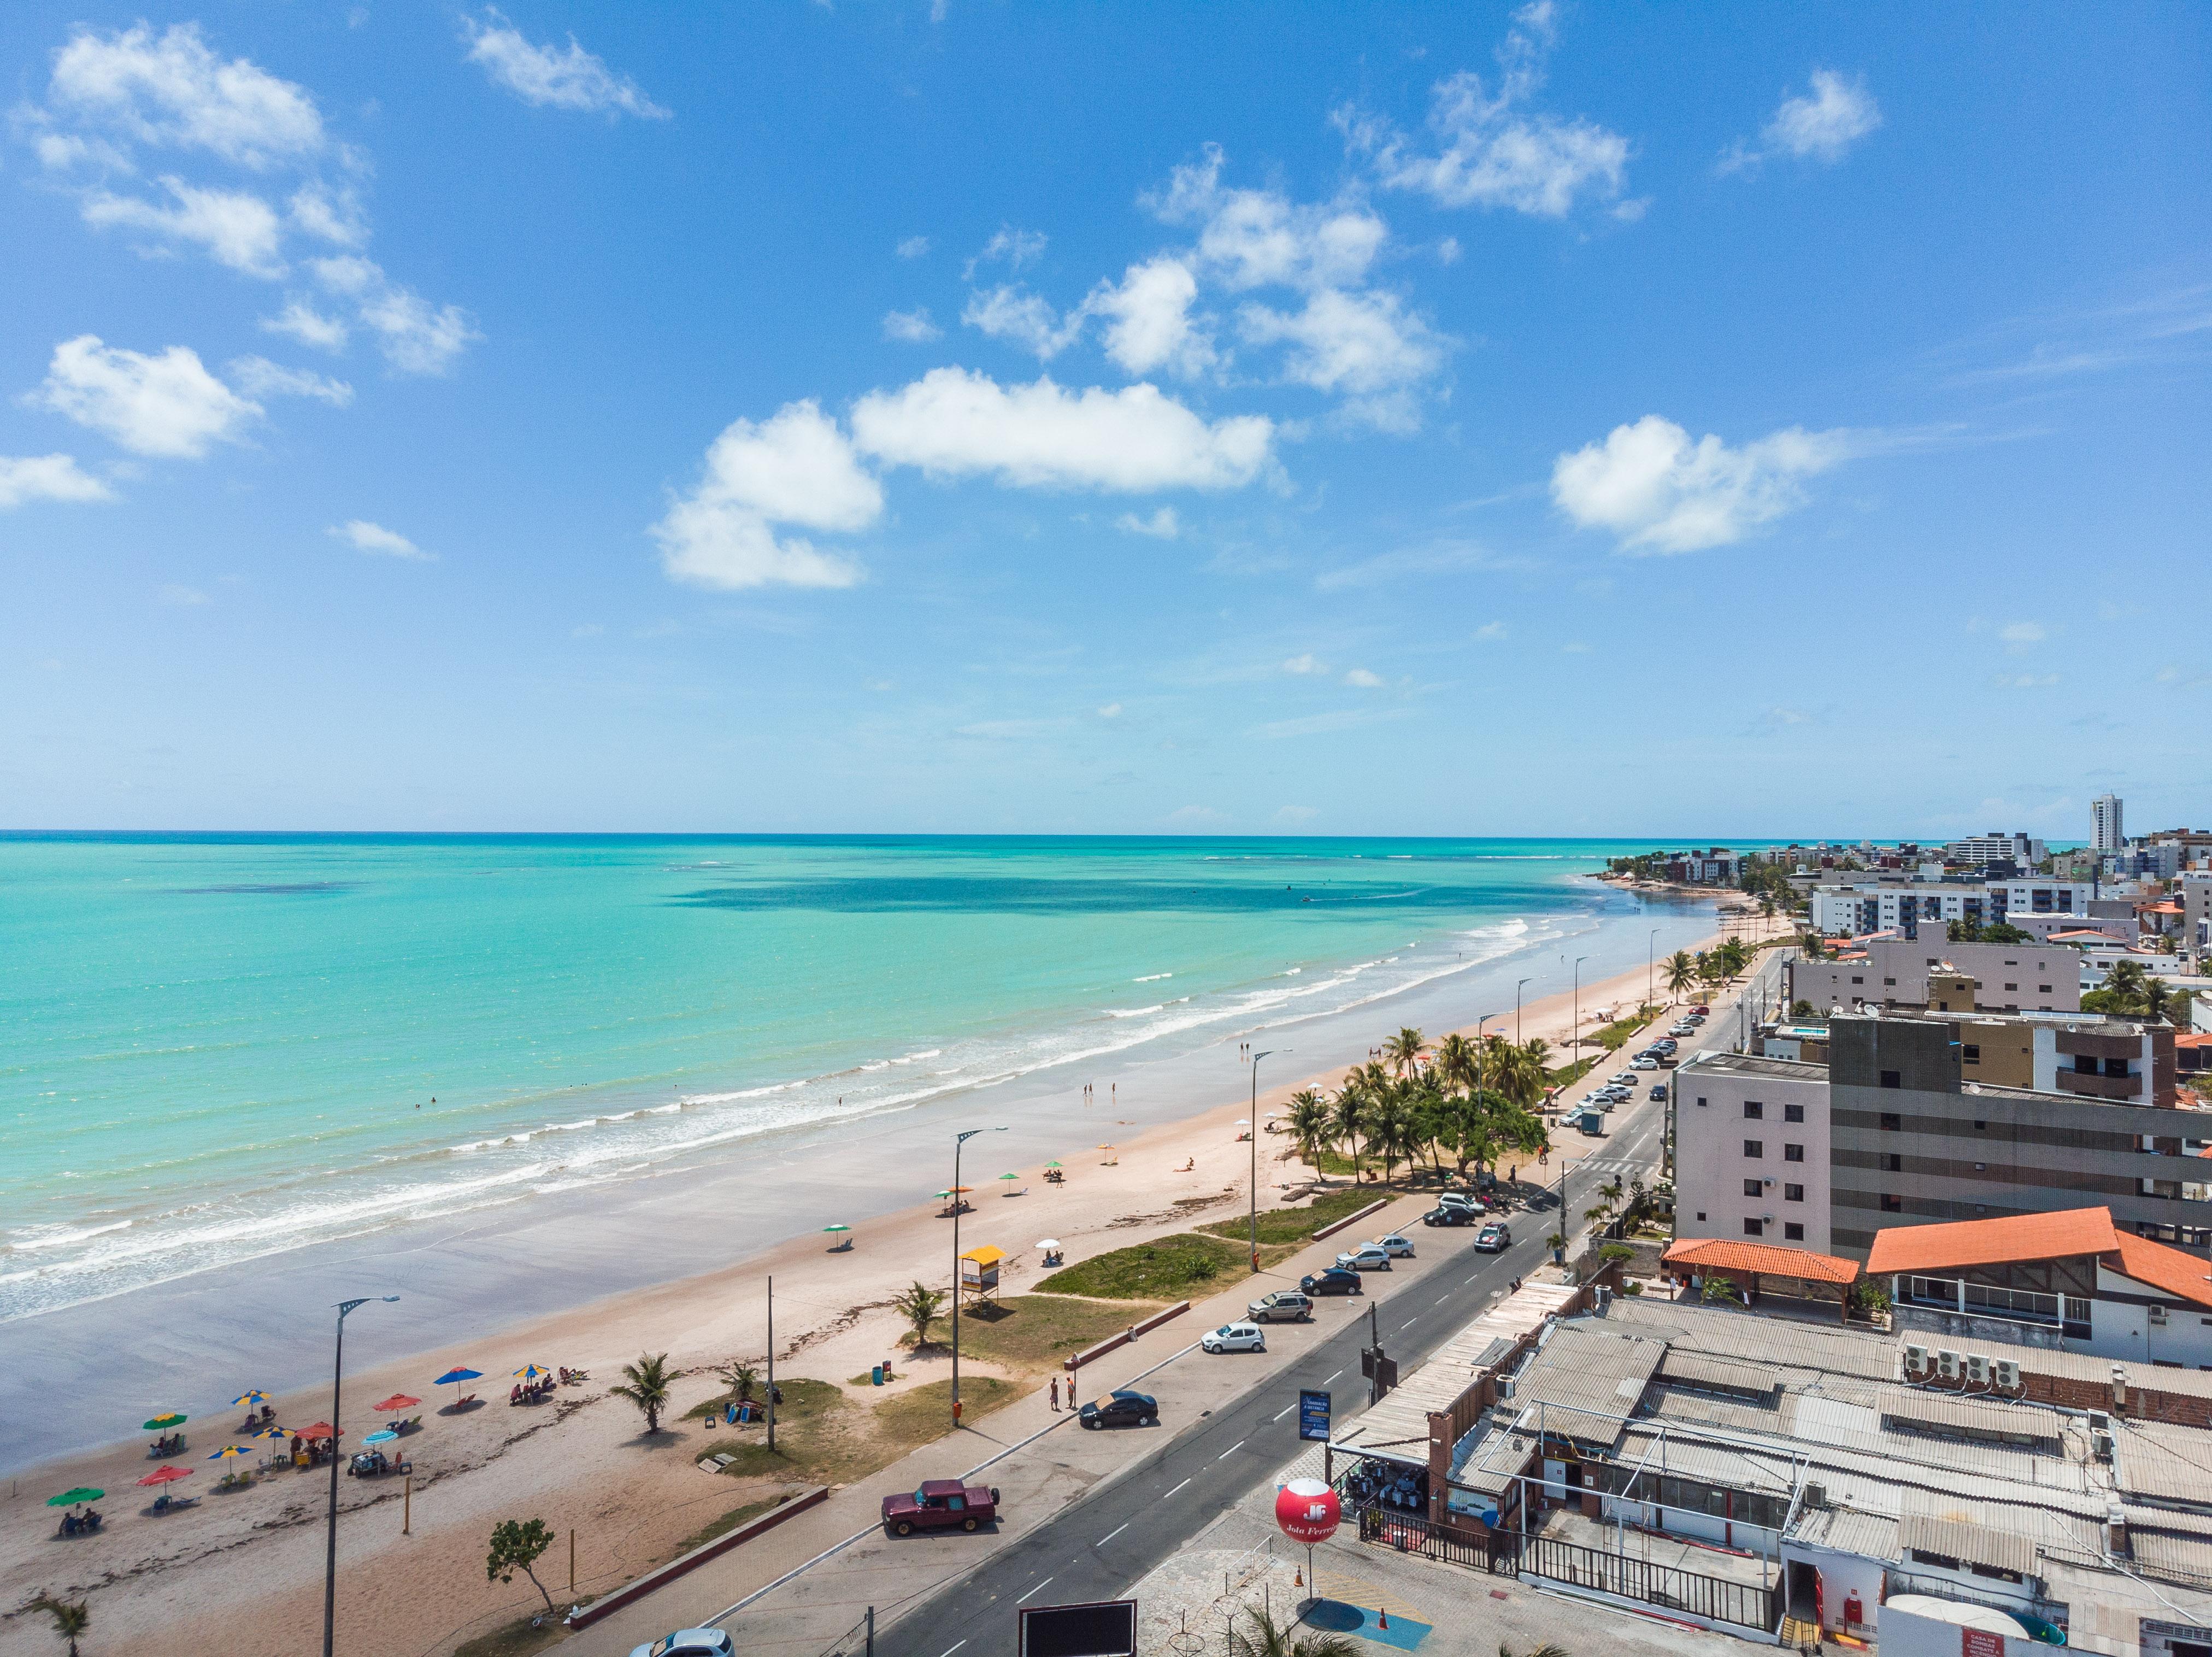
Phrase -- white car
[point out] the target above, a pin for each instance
(1368, 1256)
(1399, 1246)
(1234, 1337)
(1647, 1064)
(689, 1642)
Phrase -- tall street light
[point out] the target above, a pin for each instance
(1256, 1058)
(330, 1555)
(958, 1140)
(1516, 1009)
(1579, 960)
(1651, 968)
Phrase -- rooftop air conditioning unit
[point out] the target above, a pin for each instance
(2008, 1375)
(1977, 1368)
(1603, 1298)
(2101, 1444)
(1816, 1495)
(2099, 1422)
(1505, 1386)
(1916, 1360)
(1947, 1364)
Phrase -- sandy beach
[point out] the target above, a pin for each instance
(240, 1574)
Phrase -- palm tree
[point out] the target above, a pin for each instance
(647, 1386)
(1349, 1114)
(921, 1306)
(2157, 998)
(1393, 1131)
(740, 1377)
(1682, 973)
(1269, 1638)
(1404, 1051)
(1310, 1125)
(2126, 983)
(1734, 955)
(1458, 1061)
(70, 1618)
(1547, 1649)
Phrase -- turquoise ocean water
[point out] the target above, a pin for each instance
(216, 1048)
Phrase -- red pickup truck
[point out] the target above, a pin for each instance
(941, 1504)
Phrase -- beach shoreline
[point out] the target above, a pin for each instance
(830, 1315)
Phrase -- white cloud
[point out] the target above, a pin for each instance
(913, 326)
(2021, 635)
(1575, 648)
(174, 93)
(303, 322)
(416, 336)
(1111, 711)
(953, 423)
(795, 468)
(333, 216)
(1365, 344)
(168, 405)
(914, 247)
(1161, 525)
(1490, 631)
(1307, 663)
(1014, 314)
(257, 376)
(236, 227)
(1151, 326)
(1491, 153)
(549, 78)
(1017, 247)
(1654, 488)
(1822, 124)
(363, 536)
(2025, 681)
(1361, 677)
(46, 477)
(1261, 238)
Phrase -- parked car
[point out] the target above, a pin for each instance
(1495, 1238)
(1368, 1256)
(940, 1504)
(1647, 1064)
(1695, 1020)
(689, 1642)
(1624, 1080)
(1659, 1092)
(1461, 1198)
(1332, 1280)
(1397, 1245)
(1285, 1306)
(1234, 1337)
(1686, 1028)
(1700, 1011)
(1120, 1408)
(1452, 1213)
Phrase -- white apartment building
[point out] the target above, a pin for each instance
(1996, 848)
(1854, 911)
(1751, 1150)
(2043, 896)
(2009, 978)
(2106, 831)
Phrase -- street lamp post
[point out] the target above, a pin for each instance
(1255, 1124)
(1516, 1009)
(1579, 960)
(958, 1140)
(1651, 969)
(330, 1553)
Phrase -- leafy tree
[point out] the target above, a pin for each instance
(1719, 1289)
(740, 1377)
(1801, 1009)
(70, 1617)
(647, 1386)
(1310, 1125)
(1735, 955)
(1269, 1638)
(1393, 1133)
(1682, 973)
(2157, 998)
(1547, 1649)
(516, 1545)
(1404, 1051)
(921, 1306)
(2125, 984)
(2005, 932)
(1458, 1062)
(1350, 1108)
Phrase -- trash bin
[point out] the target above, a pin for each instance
(876, 1376)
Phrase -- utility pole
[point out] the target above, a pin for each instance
(1517, 1010)
(331, 1552)
(959, 1201)
(1254, 1127)
(1579, 960)
(1375, 1357)
(1651, 968)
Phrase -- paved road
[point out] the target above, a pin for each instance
(1098, 1547)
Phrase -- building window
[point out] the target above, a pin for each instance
(2042, 988)
(1891, 1162)
(1793, 1112)
(1701, 1103)
(2012, 986)
(1889, 981)
(1701, 1215)
(1754, 1228)
(1753, 1187)
(1974, 1052)
(1891, 1204)
(1793, 1153)
(1754, 1148)
(1793, 1193)
(1981, 1126)
(1793, 1231)
(1753, 1110)
(1856, 979)
(1892, 1079)
(1892, 1122)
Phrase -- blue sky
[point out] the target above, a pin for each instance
(1570, 419)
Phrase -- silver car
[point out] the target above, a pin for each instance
(689, 1642)
(1397, 1245)
(1368, 1256)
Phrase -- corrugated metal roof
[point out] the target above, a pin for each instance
(1976, 1544)
(1399, 1426)
(2176, 1558)
(1735, 1332)
(2166, 1465)
(1946, 1412)
(1694, 1368)
(1590, 1372)
(1871, 1536)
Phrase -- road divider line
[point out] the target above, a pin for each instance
(948, 1650)
(1111, 1534)
(1281, 1413)
(1176, 1487)
(1331, 1378)
(1231, 1451)
(1038, 1589)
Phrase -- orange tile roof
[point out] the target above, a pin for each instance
(2194, 1038)
(1767, 1259)
(2179, 1274)
(2002, 1241)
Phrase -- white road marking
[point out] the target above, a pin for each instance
(1279, 1414)
(948, 1650)
(1231, 1451)
(1038, 1589)
(1407, 1324)
(1331, 1378)
(1101, 1543)
(1176, 1487)
(1440, 1299)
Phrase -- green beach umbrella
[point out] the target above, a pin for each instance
(70, 1498)
(838, 1228)
(1010, 1176)
(1052, 1164)
(171, 1419)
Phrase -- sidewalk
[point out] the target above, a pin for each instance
(1048, 1463)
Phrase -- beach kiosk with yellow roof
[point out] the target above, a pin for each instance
(979, 1270)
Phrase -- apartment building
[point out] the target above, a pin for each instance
(1895, 973)
(1996, 848)
(2042, 894)
(1867, 906)
(2107, 832)
(1892, 1131)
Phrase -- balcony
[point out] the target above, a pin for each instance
(2083, 1083)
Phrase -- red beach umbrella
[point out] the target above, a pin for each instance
(166, 1474)
(396, 1401)
(321, 1429)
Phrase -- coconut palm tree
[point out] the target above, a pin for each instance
(71, 1617)
(1457, 1063)
(1349, 1114)
(1269, 1638)
(1392, 1130)
(1735, 955)
(2126, 983)
(647, 1386)
(1404, 1051)
(2157, 998)
(740, 1377)
(921, 1306)
(1310, 1125)
(1682, 973)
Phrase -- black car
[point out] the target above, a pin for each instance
(1120, 1408)
(1335, 1280)
(1452, 1213)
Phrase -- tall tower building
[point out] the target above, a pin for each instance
(2105, 812)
